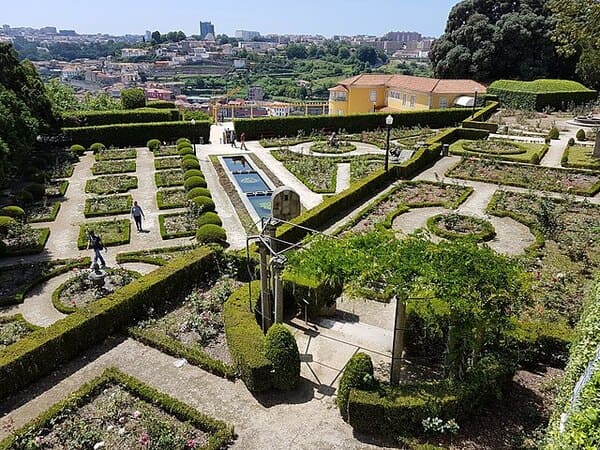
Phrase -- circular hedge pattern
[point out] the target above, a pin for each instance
(456, 226)
(198, 192)
(324, 147)
(193, 182)
(209, 218)
(193, 173)
(210, 233)
(494, 147)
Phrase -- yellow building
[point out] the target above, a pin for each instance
(382, 93)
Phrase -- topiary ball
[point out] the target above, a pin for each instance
(24, 197)
(580, 135)
(13, 211)
(37, 190)
(209, 218)
(35, 175)
(198, 192)
(281, 349)
(203, 203)
(153, 144)
(97, 146)
(190, 164)
(554, 133)
(186, 151)
(182, 141)
(189, 157)
(5, 223)
(571, 142)
(194, 182)
(79, 150)
(193, 173)
(210, 233)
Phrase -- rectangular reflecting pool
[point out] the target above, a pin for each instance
(249, 182)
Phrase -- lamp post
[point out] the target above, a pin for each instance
(389, 120)
(193, 122)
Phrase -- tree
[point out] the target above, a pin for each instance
(343, 53)
(296, 51)
(133, 98)
(488, 40)
(155, 38)
(367, 55)
(62, 97)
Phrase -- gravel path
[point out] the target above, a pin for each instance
(343, 177)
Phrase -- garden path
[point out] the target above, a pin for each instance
(554, 154)
(343, 177)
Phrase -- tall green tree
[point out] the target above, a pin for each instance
(62, 97)
(133, 98)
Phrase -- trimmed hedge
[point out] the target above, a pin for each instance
(97, 146)
(152, 256)
(87, 210)
(163, 229)
(6, 222)
(119, 116)
(290, 126)
(190, 164)
(193, 173)
(198, 192)
(160, 104)
(42, 351)
(153, 144)
(204, 203)
(320, 295)
(246, 340)
(136, 134)
(79, 150)
(164, 202)
(194, 182)
(358, 374)
(211, 233)
(208, 218)
(539, 94)
(486, 234)
(108, 241)
(219, 433)
(44, 234)
(15, 212)
(282, 350)
(49, 218)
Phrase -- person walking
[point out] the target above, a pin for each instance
(95, 242)
(232, 137)
(243, 141)
(137, 214)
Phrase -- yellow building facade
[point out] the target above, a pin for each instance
(373, 93)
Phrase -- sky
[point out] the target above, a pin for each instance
(326, 17)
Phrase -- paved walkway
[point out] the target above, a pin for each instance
(343, 177)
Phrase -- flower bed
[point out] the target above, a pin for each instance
(116, 166)
(500, 149)
(117, 411)
(527, 176)
(79, 291)
(112, 232)
(167, 178)
(177, 225)
(111, 184)
(14, 328)
(363, 166)
(42, 213)
(61, 170)
(109, 155)
(167, 163)
(193, 329)
(284, 141)
(108, 206)
(21, 239)
(56, 188)
(171, 198)
(456, 226)
(169, 150)
(157, 256)
(580, 156)
(324, 147)
(318, 174)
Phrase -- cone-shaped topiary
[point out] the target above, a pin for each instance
(193, 173)
(5, 223)
(13, 211)
(358, 374)
(210, 233)
(198, 192)
(281, 349)
(209, 218)
(193, 182)
(204, 203)
(153, 144)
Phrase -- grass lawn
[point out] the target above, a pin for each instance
(580, 156)
(505, 150)
(112, 232)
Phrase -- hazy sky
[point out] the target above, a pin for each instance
(326, 17)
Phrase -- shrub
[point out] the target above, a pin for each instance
(13, 211)
(580, 135)
(358, 374)
(5, 223)
(535, 159)
(554, 133)
(182, 141)
(97, 147)
(133, 98)
(190, 157)
(193, 173)
(571, 142)
(35, 175)
(211, 233)
(194, 182)
(161, 104)
(24, 197)
(190, 164)
(209, 218)
(198, 192)
(141, 115)
(79, 150)
(281, 349)
(204, 203)
(37, 190)
(153, 144)
(186, 151)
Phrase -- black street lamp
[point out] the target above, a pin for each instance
(193, 122)
(389, 120)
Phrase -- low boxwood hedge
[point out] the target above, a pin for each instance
(140, 115)
(163, 230)
(165, 202)
(44, 234)
(113, 233)
(49, 218)
(487, 232)
(113, 210)
(154, 256)
(183, 151)
(62, 189)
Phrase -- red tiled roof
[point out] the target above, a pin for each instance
(419, 84)
(458, 86)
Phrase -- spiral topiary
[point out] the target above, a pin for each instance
(190, 164)
(153, 145)
(281, 349)
(79, 150)
(209, 218)
(193, 173)
(194, 182)
(37, 190)
(204, 203)
(15, 212)
(198, 192)
(211, 233)
(97, 146)
(5, 223)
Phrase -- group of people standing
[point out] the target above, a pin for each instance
(230, 137)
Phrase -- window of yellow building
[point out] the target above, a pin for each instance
(373, 95)
(404, 100)
(412, 101)
(443, 102)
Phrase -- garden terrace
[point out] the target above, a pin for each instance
(117, 166)
(112, 232)
(500, 149)
(580, 156)
(107, 206)
(156, 256)
(527, 176)
(168, 178)
(318, 174)
(112, 154)
(111, 184)
(88, 417)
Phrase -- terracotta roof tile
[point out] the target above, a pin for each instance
(459, 87)
(419, 84)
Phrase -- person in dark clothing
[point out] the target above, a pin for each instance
(95, 242)
(137, 214)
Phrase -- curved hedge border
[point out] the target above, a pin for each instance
(246, 340)
(461, 148)
(487, 233)
(42, 351)
(146, 256)
(583, 350)
(220, 433)
(44, 234)
(51, 217)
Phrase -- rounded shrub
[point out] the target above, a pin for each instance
(97, 146)
(182, 141)
(535, 159)
(5, 223)
(194, 182)
(79, 150)
(13, 211)
(203, 203)
(189, 156)
(554, 133)
(580, 135)
(153, 144)
(210, 233)
(190, 164)
(37, 190)
(358, 374)
(209, 218)
(198, 192)
(571, 142)
(186, 151)
(35, 175)
(24, 197)
(193, 173)
(281, 349)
